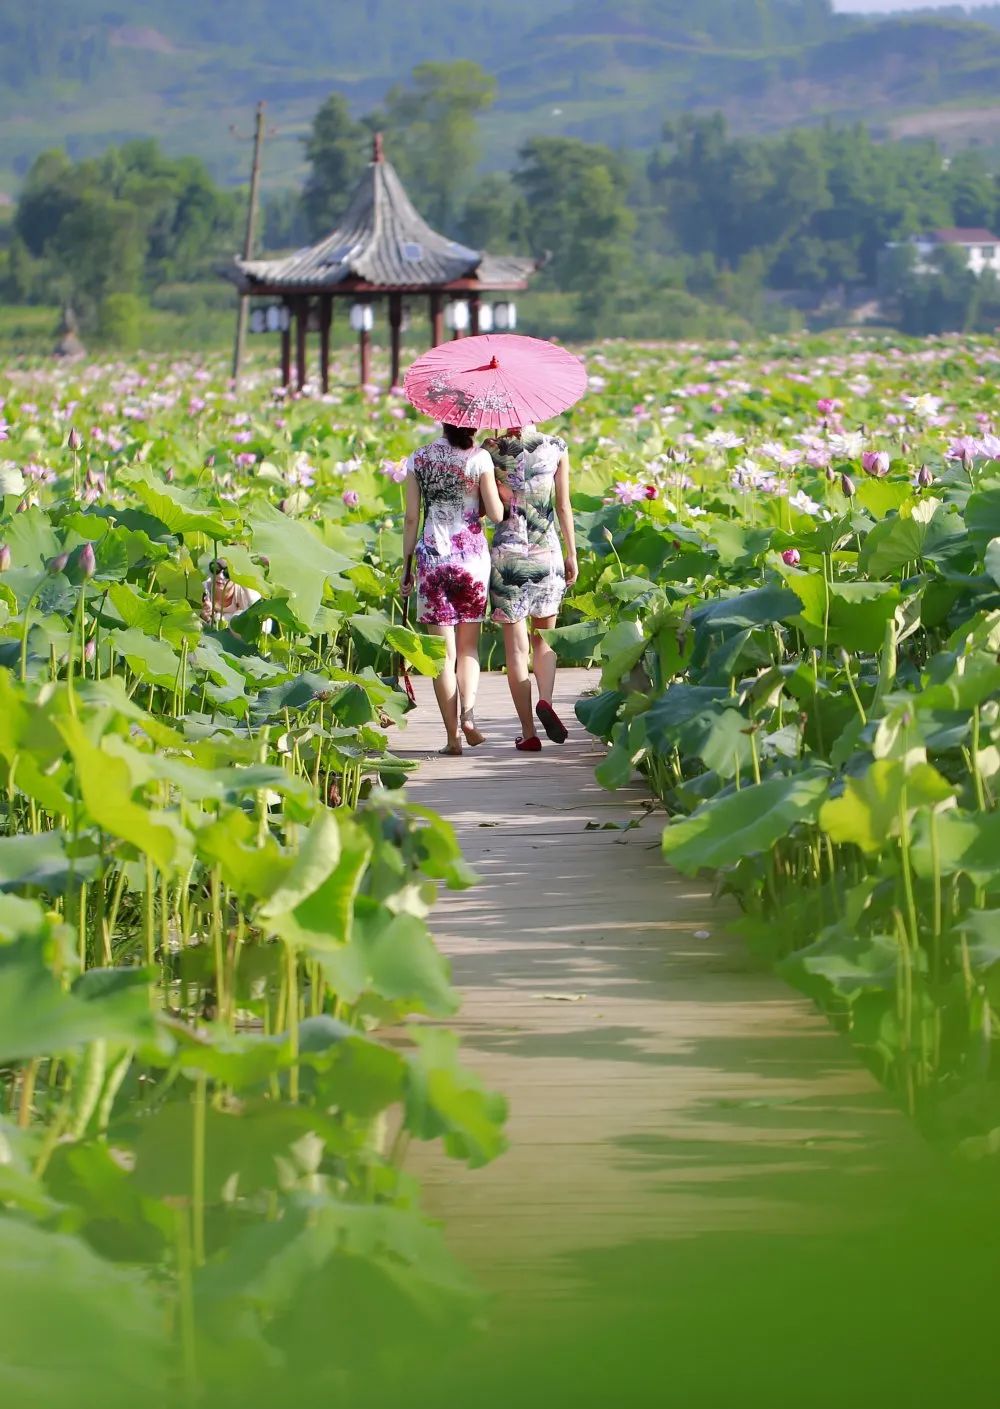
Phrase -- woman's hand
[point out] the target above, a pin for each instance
(505, 492)
(570, 568)
(406, 584)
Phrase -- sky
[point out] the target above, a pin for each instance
(870, 7)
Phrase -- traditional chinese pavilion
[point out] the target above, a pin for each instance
(381, 250)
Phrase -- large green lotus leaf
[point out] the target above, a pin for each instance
(423, 651)
(844, 963)
(353, 1073)
(440, 852)
(616, 768)
(112, 694)
(20, 917)
(982, 931)
(38, 1017)
(598, 713)
(154, 615)
(577, 644)
(758, 607)
(236, 1059)
(151, 660)
(882, 496)
(898, 543)
(393, 957)
(444, 1099)
(228, 685)
(972, 679)
(622, 649)
(982, 517)
(298, 561)
(242, 568)
(966, 842)
(371, 626)
(176, 508)
(251, 867)
(722, 742)
(353, 707)
(868, 811)
(738, 545)
(40, 859)
(744, 823)
(858, 612)
(107, 787)
(245, 1144)
(298, 693)
(31, 539)
(680, 705)
(314, 905)
(114, 1342)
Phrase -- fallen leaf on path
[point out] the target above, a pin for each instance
(562, 997)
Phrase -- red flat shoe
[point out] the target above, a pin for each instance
(551, 722)
(532, 745)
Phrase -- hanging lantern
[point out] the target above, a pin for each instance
(505, 317)
(456, 316)
(485, 318)
(362, 317)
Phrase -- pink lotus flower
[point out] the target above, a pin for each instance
(351, 498)
(791, 557)
(651, 491)
(4, 557)
(875, 463)
(826, 405)
(245, 459)
(627, 493)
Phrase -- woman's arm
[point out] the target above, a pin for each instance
(411, 524)
(490, 494)
(564, 513)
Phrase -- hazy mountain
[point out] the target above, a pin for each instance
(85, 73)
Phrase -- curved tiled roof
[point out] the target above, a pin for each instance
(383, 241)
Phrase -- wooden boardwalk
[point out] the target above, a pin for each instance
(660, 1086)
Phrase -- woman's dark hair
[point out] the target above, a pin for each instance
(461, 437)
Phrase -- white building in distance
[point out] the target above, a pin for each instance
(982, 249)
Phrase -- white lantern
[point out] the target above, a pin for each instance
(485, 318)
(505, 317)
(362, 317)
(456, 316)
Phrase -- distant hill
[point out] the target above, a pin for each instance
(86, 73)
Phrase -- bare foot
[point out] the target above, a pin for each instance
(452, 749)
(473, 734)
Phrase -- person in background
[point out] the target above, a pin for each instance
(531, 569)
(453, 481)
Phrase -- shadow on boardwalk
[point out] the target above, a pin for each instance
(698, 1167)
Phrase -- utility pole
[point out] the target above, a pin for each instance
(241, 312)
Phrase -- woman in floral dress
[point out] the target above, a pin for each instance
(530, 570)
(448, 478)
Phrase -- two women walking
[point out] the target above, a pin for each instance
(520, 481)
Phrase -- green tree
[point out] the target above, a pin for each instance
(495, 215)
(433, 137)
(336, 152)
(575, 195)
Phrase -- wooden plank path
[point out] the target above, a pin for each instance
(660, 1085)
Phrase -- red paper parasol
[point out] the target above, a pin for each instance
(495, 380)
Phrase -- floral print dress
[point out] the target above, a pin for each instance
(452, 555)
(528, 577)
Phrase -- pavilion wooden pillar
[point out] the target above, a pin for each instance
(395, 328)
(474, 315)
(437, 320)
(301, 328)
(325, 319)
(286, 351)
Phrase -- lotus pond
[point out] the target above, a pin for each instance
(215, 897)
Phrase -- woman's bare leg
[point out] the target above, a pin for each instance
(543, 657)
(467, 672)
(515, 644)
(446, 689)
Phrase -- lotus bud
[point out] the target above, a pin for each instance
(875, 463)
(88, 562)
(90, 650)
(651, 491)
(58, 563)
(791, 557)
(75, 439)
(968, 459)
(609, 536)
(847, 485)
(831, 473)
(924, 477)
(168, 474)
(4, 557)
